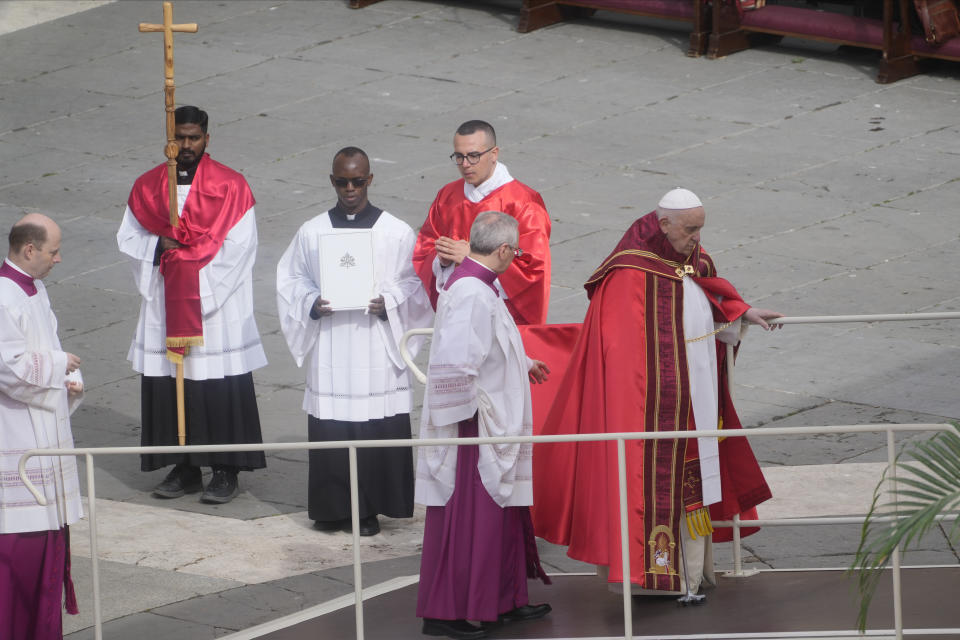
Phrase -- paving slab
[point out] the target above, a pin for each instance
(826, 193)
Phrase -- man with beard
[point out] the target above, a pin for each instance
(197, 308)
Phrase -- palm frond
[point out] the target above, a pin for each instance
(924, 488)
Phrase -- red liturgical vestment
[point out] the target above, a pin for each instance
(628, 372)
(527, 281)
(218, 199)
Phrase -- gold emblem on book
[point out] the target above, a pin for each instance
(348, 261)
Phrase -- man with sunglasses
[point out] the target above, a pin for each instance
(358, 386)
(196, 280)
(485, 184)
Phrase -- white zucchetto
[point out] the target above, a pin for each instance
(680, 199)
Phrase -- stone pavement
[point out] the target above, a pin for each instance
(826, 194)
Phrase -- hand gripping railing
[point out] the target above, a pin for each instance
(881, 317)
(736, 523)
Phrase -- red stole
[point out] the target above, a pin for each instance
(219, 197)
(628, 370)
(527, 280)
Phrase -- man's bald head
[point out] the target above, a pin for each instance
(34, 244)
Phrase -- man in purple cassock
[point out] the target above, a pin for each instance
(478, 544)
(40, 386)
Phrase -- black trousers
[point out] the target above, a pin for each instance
(384, 475)
(218, 411)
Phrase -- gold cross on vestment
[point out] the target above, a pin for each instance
(171, 150)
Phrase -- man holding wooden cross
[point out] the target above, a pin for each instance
(196, 280)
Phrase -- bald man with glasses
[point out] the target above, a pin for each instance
(486, 185)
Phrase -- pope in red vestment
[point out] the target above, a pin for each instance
(486, 185)
(629, 372)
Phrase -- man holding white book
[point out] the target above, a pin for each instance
(346, 294)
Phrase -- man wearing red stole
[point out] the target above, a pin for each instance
(650, 358)
(196, 280)
(486, 185)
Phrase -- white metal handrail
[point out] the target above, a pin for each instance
(620, 438)
(876, 317)
(353, 445)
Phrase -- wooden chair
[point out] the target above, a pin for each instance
(540, 13)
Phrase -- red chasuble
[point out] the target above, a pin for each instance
(219, 197)
(628, 370)
(527, 280)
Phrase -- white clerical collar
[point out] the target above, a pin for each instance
(18, 268)
(497, 179)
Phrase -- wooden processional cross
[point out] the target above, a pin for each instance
(171, 150)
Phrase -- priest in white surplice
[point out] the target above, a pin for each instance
(40, 385)
(478, 546)
(358, 386)
(196, 280)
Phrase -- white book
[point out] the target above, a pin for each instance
(346, 269)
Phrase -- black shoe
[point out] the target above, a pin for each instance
(182, 479)
(369, 526)
(526, 612)
(452, 629)
(222, 487)
(330, 525)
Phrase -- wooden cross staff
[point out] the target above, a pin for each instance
(171, 150)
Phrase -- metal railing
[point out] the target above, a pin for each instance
(619, 438)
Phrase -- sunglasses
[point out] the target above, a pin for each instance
(356, 182)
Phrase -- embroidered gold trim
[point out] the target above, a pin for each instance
(190, 341)
(678, 268)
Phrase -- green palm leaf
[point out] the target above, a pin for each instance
(930, 487)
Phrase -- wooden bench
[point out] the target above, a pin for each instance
(732, 28)
(907, 48)
(535, 14)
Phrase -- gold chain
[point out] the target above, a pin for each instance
(712, 333)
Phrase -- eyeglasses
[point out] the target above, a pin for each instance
(517, 251)
(356, 182)
(473, 157)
